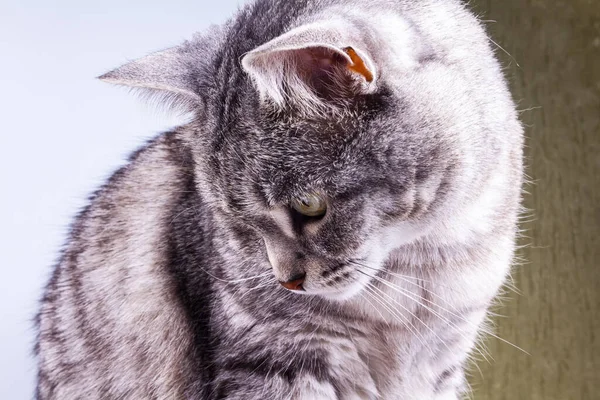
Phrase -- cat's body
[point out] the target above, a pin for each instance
(165, 289)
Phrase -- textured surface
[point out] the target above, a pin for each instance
(422, 177)
(555, 317)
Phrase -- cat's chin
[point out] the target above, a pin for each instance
(343, 294)
(340, 295)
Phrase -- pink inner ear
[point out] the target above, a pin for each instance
(318, 60)
(323, 62)
(324, 70)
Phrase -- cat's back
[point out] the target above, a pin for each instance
(111, 305)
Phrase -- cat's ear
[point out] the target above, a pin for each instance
(167, 73)
(313, 65)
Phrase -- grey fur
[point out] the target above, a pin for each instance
(167, 287)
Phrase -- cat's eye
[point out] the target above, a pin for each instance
(310, 205)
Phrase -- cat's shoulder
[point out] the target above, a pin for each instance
(111, 299)
(152, 173)
(162, 163)
(138, 200)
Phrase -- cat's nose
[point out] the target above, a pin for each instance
(295, 283)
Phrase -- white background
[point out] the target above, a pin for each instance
(62, 133)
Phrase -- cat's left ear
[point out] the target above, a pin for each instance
(168, 72)
(314, 65)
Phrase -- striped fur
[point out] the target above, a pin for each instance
(167, 287)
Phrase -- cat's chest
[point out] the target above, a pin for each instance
(407, 305)
(410, 323)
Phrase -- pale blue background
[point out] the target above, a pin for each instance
(63, 132)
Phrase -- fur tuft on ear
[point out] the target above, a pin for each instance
(313, 68)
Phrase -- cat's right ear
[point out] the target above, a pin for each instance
(314, 67)
(168, 73)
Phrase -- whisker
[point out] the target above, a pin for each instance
(404, 277)
(479, 328)
(395, 313)
(376, 309)
(410, 295)
(414, 316)
(236, 280)
(502, 48)
(259, 286)
(408, 279)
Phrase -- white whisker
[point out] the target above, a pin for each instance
(395, 313)
(479, 328)
(236, 280)
(414, 316)
(376, 309)
(415, 298)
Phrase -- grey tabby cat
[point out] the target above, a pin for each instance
(333, 223)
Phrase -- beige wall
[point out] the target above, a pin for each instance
(556, 315)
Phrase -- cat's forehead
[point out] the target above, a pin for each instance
(342, 127)
(315, 143)
(317, 156)
(304, 132)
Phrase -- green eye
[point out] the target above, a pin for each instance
(311, 205)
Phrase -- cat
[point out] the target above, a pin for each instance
(332, 223)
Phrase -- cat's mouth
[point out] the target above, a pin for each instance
(346, 283)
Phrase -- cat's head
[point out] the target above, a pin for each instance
(323, 147)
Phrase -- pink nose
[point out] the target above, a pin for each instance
(294, 284)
